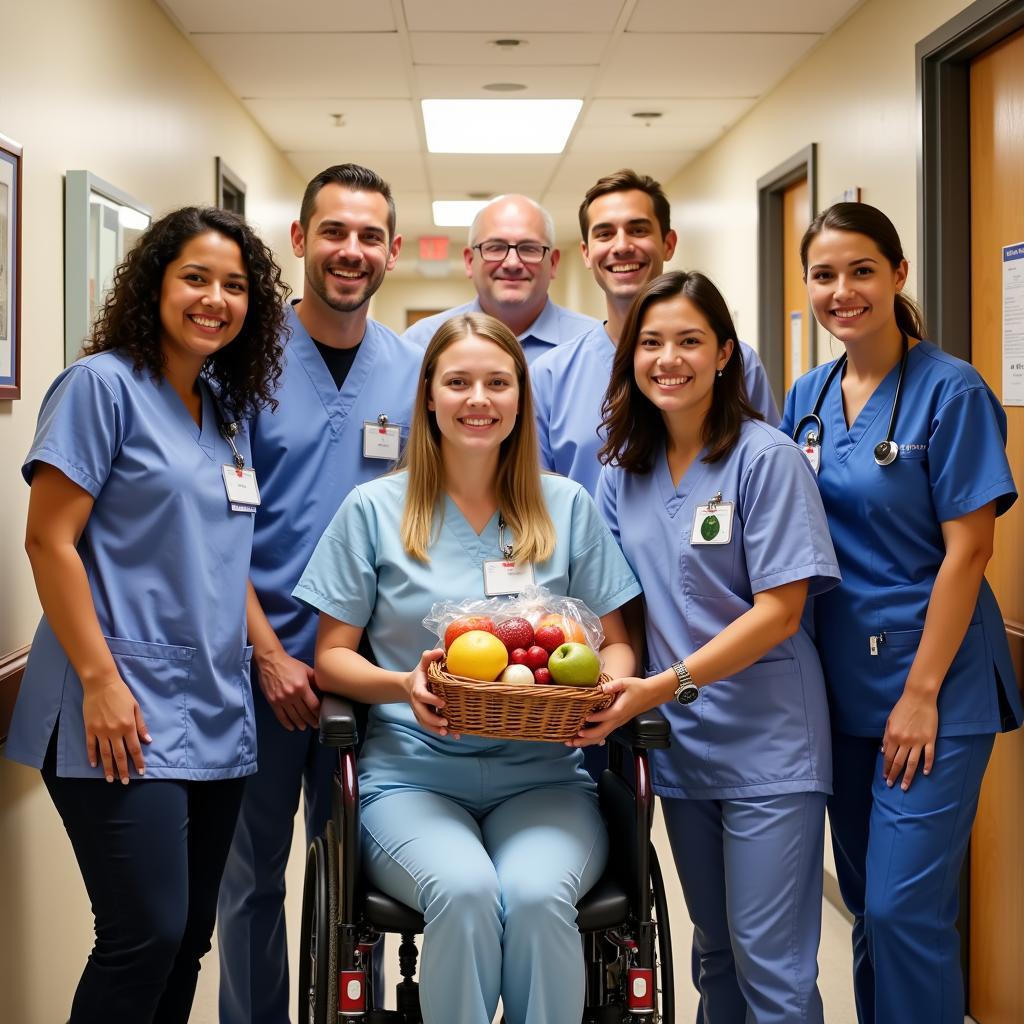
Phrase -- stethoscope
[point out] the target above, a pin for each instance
(885, 451)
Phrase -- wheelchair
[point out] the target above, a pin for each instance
(623, 919)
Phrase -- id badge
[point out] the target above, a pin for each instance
(503, 577)
(813, 453)
(381, 440)
(242, 490)
(712, 523)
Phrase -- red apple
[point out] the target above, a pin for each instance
(514, 633)
(536, 657)
(518, 656)
(541, 676)
(464, 625)
(549, 637)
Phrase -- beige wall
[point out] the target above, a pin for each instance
(855, 97)
(112, 87)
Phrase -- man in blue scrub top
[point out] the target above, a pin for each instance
(511, 259)
(625, 220)
(345, 395)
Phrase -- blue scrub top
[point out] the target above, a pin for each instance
(167, 561)
(886, 525)
(308, 455)
(361, 574)
(569, 385)
(554, 326)
(765, 731)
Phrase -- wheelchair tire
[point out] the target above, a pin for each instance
(666, 976)
(318, 956)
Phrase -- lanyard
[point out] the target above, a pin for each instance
(506, 549)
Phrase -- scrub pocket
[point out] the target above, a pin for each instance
(158, 677)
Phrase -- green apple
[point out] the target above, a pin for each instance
(574, 665)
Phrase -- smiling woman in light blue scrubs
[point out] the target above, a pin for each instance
(493, 840)
(139, 669)
(910, 448)
(719, 516)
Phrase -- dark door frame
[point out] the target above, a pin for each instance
(943, 62)
(771, 340)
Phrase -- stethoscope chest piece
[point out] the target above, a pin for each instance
(886, 452)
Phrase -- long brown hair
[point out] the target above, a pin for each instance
(518, 487)
(632, 423)
(863, 219)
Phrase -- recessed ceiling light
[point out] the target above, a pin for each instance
(456, 213)
(499, 126)
(648, 115)
(504, 87)
(509, 43)
(485, 196)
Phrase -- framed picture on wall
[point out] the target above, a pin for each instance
(101, 223)
(230, 188)
(10, 269)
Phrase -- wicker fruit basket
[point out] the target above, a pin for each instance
(511, 711)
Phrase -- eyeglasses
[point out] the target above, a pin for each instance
(497, 252)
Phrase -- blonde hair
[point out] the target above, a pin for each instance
(520, 496)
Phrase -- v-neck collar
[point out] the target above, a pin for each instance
(675, 498)
(845, 439)
(483, 541)
(205, 434)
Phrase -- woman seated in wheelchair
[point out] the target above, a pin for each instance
(494, 841)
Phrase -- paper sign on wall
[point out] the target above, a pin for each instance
(1013, 324)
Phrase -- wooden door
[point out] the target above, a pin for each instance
(996, 969)
(795, 329)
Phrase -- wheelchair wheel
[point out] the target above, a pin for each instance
(665, 977)
(318, 959)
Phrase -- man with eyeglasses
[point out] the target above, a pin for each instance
(511, 259)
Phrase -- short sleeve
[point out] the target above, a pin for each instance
(80, 429)
(785, 532)
(607, 500)
(341, 577)
(599, 574)
(759, 392)
(967, 462)
(540, 386)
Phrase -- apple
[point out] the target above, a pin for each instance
(464, 625)
(536, 657)
(514, 633)
(542, 676)
(571, 629)
(549, 637)
(518, 656)
(477, 654)
(574, 664)
(519, 674)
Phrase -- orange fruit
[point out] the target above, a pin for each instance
(570, 628)
(477, 655)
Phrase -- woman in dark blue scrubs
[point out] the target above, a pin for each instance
(909, 444)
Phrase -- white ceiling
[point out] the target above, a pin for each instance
(701, 65)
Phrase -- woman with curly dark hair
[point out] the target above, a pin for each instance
(139, 530)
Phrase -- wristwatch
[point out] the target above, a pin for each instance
(686, 691)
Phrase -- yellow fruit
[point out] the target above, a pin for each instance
(477, 655)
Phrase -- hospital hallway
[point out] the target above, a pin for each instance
(834, 981)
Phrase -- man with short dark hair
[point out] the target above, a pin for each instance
(627, 239)
(511, 259)
(345, 397)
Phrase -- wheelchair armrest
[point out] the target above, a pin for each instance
(647, 731)
(338, 725)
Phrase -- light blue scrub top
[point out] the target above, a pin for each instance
(764, 731)
(886, 525)
(167, 561)
(569, 385)
(308, 455)
(361, 574)
(554, 326)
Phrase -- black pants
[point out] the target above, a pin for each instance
(151, 854)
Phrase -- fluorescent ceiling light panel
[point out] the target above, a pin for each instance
(456, 213)
(499, 126)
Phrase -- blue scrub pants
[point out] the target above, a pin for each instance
(898, 858)
(498, 890)
(751, 872)
(151, 855)
(251, 934)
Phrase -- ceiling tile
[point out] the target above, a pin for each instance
(550, 48)
(296, 124)
(524, 16)
(305, 64)
(454, 175)
(578, 171)
(681, 64)
(446, 82)
(738, 15)
(404, 171)
(295, 16)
